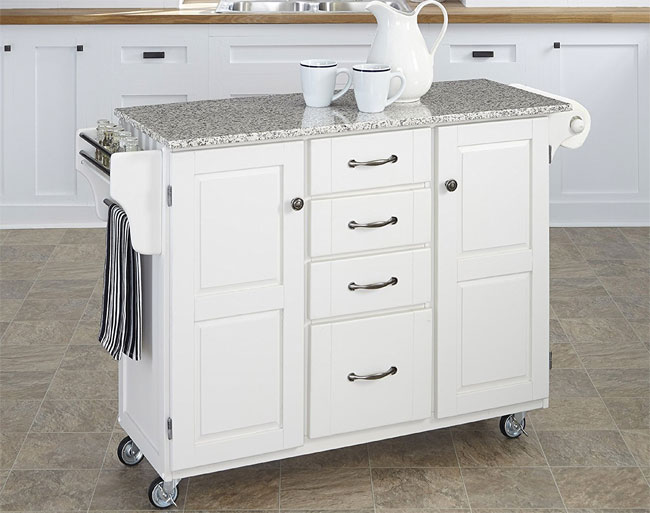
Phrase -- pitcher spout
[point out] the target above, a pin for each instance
(381, 10)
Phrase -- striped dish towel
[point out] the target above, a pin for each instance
(121, 330)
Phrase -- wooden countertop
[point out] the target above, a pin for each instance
(201, 14)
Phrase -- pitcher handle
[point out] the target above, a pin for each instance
(398, 73)
(445, 21)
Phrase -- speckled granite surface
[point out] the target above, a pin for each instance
(265, 118)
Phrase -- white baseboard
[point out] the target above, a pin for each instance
(600, 214)
(49, 216)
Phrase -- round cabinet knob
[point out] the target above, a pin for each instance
(297, 203)
(451, 185)
(577, 124)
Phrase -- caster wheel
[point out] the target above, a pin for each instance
(158, 497)
(128, 453)
(510, 427)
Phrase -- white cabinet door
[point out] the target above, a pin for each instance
(237, 303)
(607, 180)
(492, 265)
(52, 85)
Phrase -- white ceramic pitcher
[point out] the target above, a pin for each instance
(400, 44)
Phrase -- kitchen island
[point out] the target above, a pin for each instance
(319, 278)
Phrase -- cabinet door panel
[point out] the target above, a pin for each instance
(492, 266)
(228, 347)
(495, 326)
(495, 195)
(237, 309)
(240, 246)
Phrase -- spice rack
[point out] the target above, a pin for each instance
(104, 169)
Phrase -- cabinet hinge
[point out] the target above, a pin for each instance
(550, 360)
(169, 428)
(169, 195)
(550, 154)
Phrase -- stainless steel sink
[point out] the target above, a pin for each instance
(257, 7)
(276, 6)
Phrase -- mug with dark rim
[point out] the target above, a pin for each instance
(371, 85)
(318, 77)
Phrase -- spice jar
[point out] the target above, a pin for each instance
(110, 139)
(101, 129)
(121, 138)
(131, 144)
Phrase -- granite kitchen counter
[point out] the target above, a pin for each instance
(279, 117)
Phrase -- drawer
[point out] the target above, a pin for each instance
(501, 61)
(396, 219)
(399, 343)
(336, 164)
(150, 66)
(406, 276)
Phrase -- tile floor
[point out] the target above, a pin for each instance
(590, 451)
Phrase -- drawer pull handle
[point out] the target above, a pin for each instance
(482, 54)
(372, 286)
(379, 162)
(153, 55)
(372, 377)
(377, 224)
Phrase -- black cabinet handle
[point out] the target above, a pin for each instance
(556, 45)
(482, 53)
(153, 55)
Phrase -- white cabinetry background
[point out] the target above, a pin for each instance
(48, 89)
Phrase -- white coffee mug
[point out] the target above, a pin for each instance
(371, 85)
(318, 78)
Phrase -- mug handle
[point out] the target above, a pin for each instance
(402, 78)
(346, 86)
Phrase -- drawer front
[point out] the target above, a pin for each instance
(399, 343)
(501, 61)
(395, 219)
(151, 67)
(336, 163)
(406, 276)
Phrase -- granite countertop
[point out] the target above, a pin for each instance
(271, 118)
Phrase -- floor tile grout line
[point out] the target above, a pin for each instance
(279, 490)
(460, 470)
(372, 484)
(550, 469)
